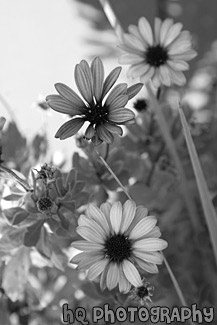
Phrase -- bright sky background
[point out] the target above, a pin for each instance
(41, 42)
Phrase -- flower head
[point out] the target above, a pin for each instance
(142, 294)
(160, 55)
(104, 114)
(119, 241)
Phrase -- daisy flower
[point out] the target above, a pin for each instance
(104, 113)
(119, 241)
(160, 55)
(142, 295)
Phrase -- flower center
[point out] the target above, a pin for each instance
(156, 55)
(142, 292)
(118, 248)
(97, 114)
(44, 204)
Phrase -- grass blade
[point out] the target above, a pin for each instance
(208, 208)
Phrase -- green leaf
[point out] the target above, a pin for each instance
(208, 208)
(32, 234)
(15, 215)
(15, 275)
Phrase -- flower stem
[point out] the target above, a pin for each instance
(113, 174)
(18, 179)
(118, 29)
(172, 149)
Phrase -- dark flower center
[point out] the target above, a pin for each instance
(142, 292)
(118, 248)
(44, 204)
(140, 105)
(156, 55)
(97, 114)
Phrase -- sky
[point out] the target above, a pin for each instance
(41, 41)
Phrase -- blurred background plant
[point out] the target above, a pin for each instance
(36, 278)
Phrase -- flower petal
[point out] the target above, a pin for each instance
(93, 212)
(69, 94)
(129, 210)
(178, 64)
(165, 27)
(148, 267)
(118, 102)
(150, 244)
(138, 70)
(177, 77)
(90, 132)
(61, 105)
(98, 77)
(120, 89)
(110, 80)
(87, 246)
(106, 208)
(113, 128)
(130, 59)
(113, 276)
(143, 227)
(96, 269)
(140, 214)
(153, 257)
(104, 134)
(87, 71)
(132, 274)
(121, 115)
(157, 28)
(91, 234)
(164, 75)
(116, 216)
(134, 43)
(83, 84)
(69, 128)
(124, 284)
(133, 90)
(173, 33)
(148, 75)
(145, 30)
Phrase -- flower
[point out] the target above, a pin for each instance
(104, 114)
(160, 56)
(119, 240)
(142, 294)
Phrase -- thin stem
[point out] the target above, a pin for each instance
(172, 149)
(18, 179)
(112, 18)
(107, 152)
(7, 107)
(113, 174)
(176, 285)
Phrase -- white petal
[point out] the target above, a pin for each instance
(147, 76)
(154, 233)
(154, 257)
(92, 224)
(87, 246)
(85, 264)
(96, 269)
(140, 214)
(188, 55)
(150, 244)
(130, 59)
(179, 47)
(124, 285)
(145, 30)
(116, 216)
(178, 64)
(138, 70)
(97, 215)
(134, 43)
(129, 210)
(157, 27)
(177, 77)
(165, 75)
(113, 276)
(91, 234)
(148, 267)
(135, 31)
(166, 25)
(173, 33)
(143, 227)
(132, 274)
(106, 208)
